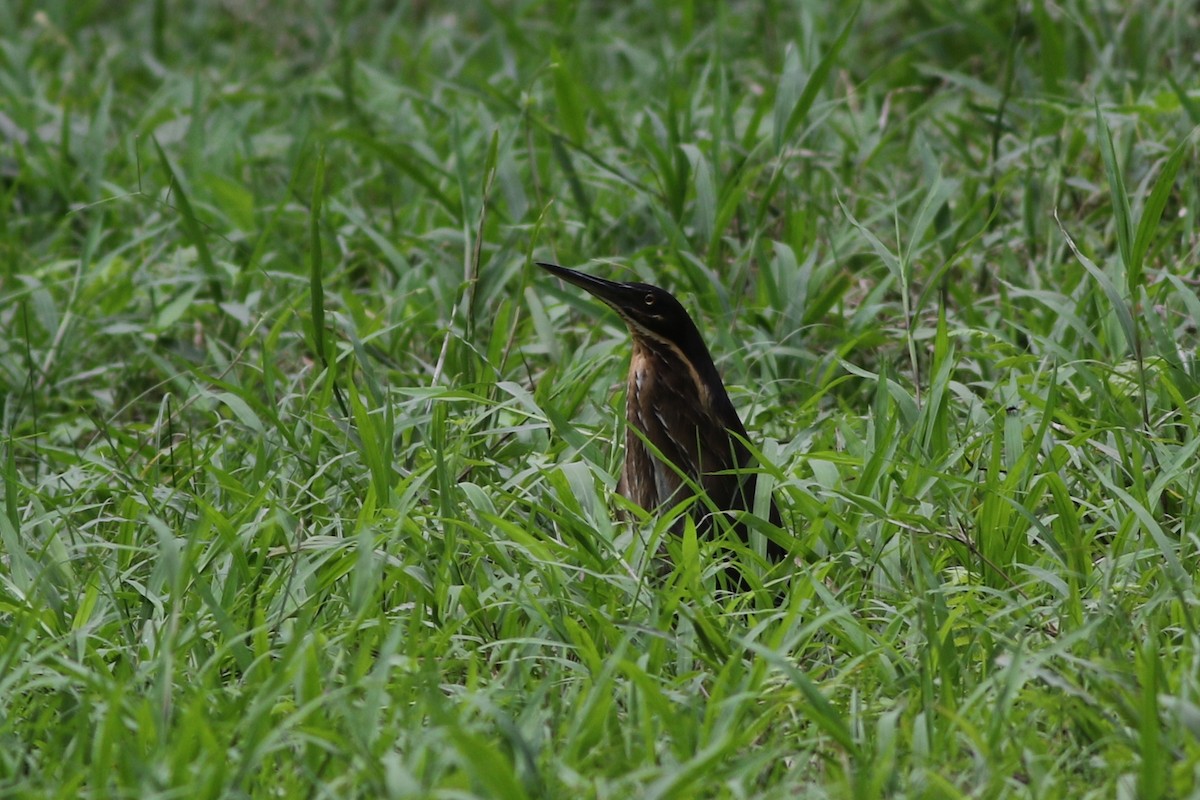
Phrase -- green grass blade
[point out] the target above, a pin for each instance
(812, 85)
(1122, 215)
(1152, 211)
(316, 263)
(191, 226)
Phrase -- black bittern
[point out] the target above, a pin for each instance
(676, 402)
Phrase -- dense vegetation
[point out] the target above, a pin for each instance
(307, 471)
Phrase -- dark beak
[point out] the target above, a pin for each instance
(617, 295)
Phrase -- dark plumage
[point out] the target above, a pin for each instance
(677, 401)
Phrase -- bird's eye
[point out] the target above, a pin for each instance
(649, 300)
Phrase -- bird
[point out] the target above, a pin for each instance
(677, 403)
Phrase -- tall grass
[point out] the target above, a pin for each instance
(308, 475)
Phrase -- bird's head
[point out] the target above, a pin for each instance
(652, 314)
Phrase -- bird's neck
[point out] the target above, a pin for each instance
(659, 373)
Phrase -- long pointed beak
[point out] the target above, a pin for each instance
(617, 295)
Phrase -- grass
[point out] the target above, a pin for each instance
(307, 471)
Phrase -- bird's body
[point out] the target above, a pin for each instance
(676, 405)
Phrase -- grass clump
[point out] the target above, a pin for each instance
(307, 472)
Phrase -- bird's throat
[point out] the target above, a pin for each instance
(659, 371)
